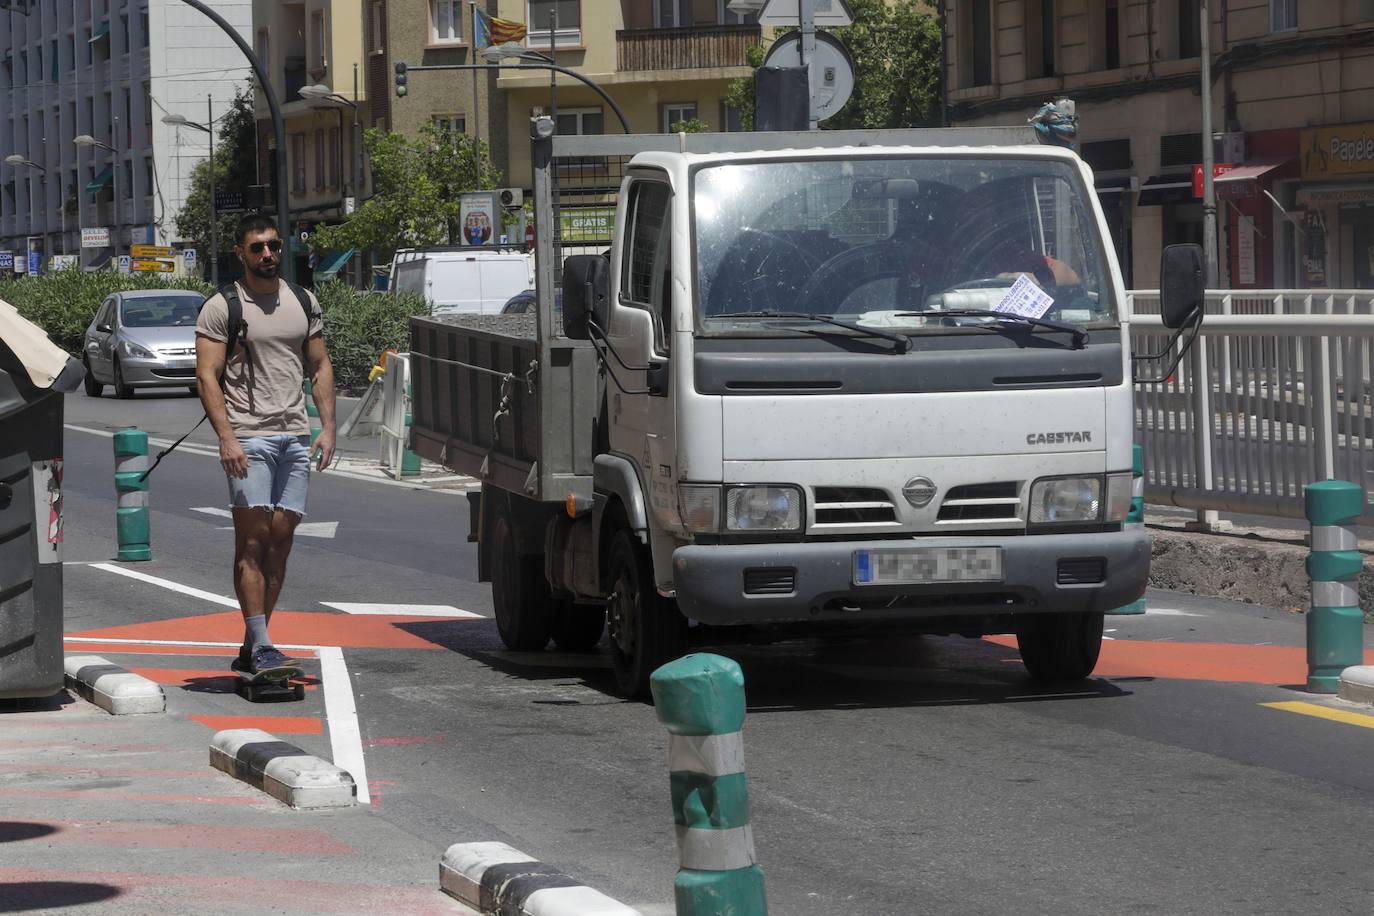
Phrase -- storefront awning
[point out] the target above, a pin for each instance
(96, 184)
(1166, 189)
(1241, 181)
(1113, 186)
(329, 270)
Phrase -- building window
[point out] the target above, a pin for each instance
(128, 179)
(673, 14)
(1189, 28)
(729, 119)
(143, 27)
(317, 43)
(1111, 34)
(569, 28)
(148, 175)
(319, 159)
(676, 112)
(377, 41)
(581, 121)
(449, 127)
(335, 153)
(263, 49)
(445, 21)
(1039, 39)
(1365, 12)
(975, 47)
(298, 162)
(1283, 15)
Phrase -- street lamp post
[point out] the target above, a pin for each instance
(88, 140)
(177, 120)
(18, 160)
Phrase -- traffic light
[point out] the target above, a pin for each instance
(400, 78)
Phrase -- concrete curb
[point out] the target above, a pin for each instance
(113, 689)
(282, 770)
(1357, 684)
(494, 878)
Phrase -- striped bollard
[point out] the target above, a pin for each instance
(700, 698)
(131, 516)
(1135, 519)
(1335, 625)
(311, 410)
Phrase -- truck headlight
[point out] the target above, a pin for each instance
(762, 509)
(136, 351)
(700, 507)
(1065, 500)
(1118, 497)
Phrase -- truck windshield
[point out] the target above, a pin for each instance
(893, 242)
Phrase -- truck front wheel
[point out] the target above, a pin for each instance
(519, 594)
(646, 630)
(1060, 647)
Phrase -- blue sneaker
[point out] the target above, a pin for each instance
(267, 660)
(243, 662)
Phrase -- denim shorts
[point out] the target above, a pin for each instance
(278, 474)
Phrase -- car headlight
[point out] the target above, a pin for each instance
(1118, 497)
(743, 508)
(762, 509)
(1065, 500)
(136, 351)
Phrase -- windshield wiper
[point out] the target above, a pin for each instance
(903, 343)
(1080, 334)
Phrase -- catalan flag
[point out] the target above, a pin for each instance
(489, 30)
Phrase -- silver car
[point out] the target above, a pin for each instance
(142, 339)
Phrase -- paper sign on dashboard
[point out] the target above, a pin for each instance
(1025, 299)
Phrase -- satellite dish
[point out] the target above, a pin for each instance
(832, 70)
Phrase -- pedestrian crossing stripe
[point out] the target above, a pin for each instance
(1324, 712)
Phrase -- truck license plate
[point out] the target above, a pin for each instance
(920, 565)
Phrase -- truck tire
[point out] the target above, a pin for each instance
(519, 594)
(646, 629)
(577, 627)
(1056, 648)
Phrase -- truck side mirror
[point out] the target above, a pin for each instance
(1182, 284)
(586, 282)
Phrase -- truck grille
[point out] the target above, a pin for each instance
(770, 581)
(854, 506)
(1082, 571)
(983, 502)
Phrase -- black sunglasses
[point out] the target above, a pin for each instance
(272, 245)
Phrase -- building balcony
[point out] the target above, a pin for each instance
(700, 48)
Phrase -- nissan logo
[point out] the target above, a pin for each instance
(919, 491)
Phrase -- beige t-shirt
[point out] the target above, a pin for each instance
(262, 382)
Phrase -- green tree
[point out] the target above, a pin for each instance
(895, 45)
(236, 169)
(417, 185)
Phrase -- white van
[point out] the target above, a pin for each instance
(463, 279)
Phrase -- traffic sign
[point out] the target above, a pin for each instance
(229, 201)
(831, 73)
(124, 263)
(151, 265)
(188, 256)
(150, 251)
(787, 13)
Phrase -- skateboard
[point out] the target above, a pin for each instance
(274, 683)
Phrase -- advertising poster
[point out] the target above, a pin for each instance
(1314, 258)
(478, 213)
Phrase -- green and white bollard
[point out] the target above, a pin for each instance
(131, 516)
(311, 410)
(700, 698)
(410, 462)
(1335, 625)
(1135, 519)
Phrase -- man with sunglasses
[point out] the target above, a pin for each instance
(251, 389)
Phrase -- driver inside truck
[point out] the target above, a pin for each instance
(1047, 272)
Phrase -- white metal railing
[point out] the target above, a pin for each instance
(395, 413)
(1283, 380)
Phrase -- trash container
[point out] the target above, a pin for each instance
(34, 375)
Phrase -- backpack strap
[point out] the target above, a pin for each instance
(234, 327)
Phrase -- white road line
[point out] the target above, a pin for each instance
(1151, 610)
(400, 610)
(345, 738)
(168, 584)
(194, 448)
(213, 510)
(304, 529)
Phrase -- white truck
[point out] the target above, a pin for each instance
(470, 279)
(837, 382)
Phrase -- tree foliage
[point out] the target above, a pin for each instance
(895, 45)
(417, 185)
(236, 169)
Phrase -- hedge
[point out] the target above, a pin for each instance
(359, 325)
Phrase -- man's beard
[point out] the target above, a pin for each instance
(265, 272)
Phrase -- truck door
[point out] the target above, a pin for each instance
(643, 419)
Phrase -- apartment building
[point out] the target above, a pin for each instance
(110, 69)
(1293, 121)
(316, 46)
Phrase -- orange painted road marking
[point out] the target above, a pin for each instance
(277, 725)
(288, 628)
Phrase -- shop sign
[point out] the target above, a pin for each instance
(150, 251)
(1245, 251)
(95, 237)
(152, 265)
(1331, 152)
(6, 260)
(1317, 195)
(1314, 256)
(478, 214)
(587, 224)
(1218, 169)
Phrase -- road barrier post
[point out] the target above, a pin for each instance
(1335, 625)
(410, 462)
(1135, 519)
(700, 699)
(131, 515)
(311, 410)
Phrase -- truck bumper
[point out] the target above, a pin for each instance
(781, 583)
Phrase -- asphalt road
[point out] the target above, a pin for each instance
(891, 776)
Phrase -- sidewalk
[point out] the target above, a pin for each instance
(125, 815)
